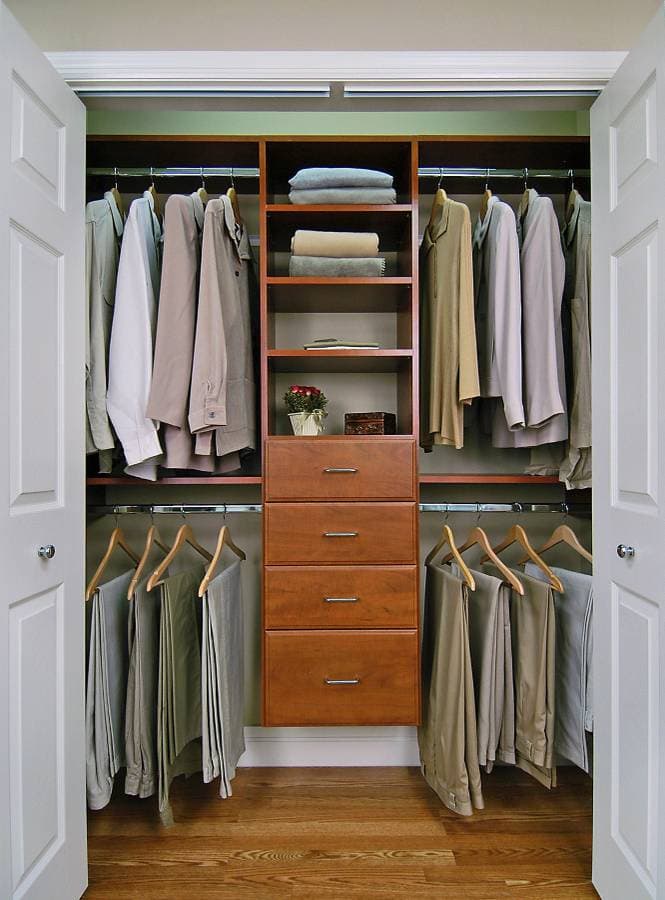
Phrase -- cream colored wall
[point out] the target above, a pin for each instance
(320, 25)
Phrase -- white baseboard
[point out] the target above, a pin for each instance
(362, 746)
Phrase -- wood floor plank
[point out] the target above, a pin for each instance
(346, 833)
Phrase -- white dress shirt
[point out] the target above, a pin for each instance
(132, 340)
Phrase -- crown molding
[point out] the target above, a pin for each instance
(312, 72)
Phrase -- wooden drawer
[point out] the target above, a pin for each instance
(340, 597)
(349, 469)
(342, 533)
(301, 669)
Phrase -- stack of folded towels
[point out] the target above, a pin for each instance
(336, 254)
(340, 185)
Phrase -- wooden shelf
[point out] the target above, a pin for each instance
(284, 280)
(348, 208)
(487, 478)
(338, 360)
(125, 480)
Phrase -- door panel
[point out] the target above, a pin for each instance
(42, 453)
(628, 188)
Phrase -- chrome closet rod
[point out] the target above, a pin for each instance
(187, 172)
(182, 509)
(489, 172)
(517, 507)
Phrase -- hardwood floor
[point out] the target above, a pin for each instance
(346, 833)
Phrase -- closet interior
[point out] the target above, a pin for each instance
(324, 520)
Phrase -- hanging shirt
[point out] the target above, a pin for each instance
(132, 339)
(542, 271)
(496, 259)
(103, 233)
(449, 359)
(222, 401)
(174, 342)
(576, 239)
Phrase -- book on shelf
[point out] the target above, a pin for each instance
(340, 344)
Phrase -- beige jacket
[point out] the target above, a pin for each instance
(222, 401)
(449, 360)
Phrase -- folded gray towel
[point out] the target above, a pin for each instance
(355, 195)
(325, 177)
(328, 267)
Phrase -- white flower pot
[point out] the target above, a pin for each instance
(306, 424)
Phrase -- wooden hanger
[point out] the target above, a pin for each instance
(115, 193)
(117, 539)
(485, 199)
(152, 539)
(224, 540)
(516, 534)
(152, 190)
(184, 536)
(440, 198)
(524, 202)
(233, 197)
(478, 536)
(564, 534)
(571, 199)
(203, 194)
(448, 538)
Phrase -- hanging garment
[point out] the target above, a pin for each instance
(574, 650)
(222, 678)
(576, 238)
(168, 402)
(492, 665)
(532, 623)
(132, 339)
(496, 278)
(107, 614)
(447, 737)
(542, 273)
(141, 707)
(449, 359)
(222, 401)
(103, 234)
(179, 683)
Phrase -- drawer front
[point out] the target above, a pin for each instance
(340, 533)
(341, 597)
(353, 469)
(341, 678)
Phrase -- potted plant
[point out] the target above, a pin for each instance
(306, 408)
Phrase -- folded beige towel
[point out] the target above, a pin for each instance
(336, 244)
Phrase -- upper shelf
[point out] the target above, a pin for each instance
(338, 360)
(348, 208)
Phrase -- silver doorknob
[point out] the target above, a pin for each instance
(625, 552)
(46, 552)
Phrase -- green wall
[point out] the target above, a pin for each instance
(142, 121)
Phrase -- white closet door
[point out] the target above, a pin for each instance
(628, 188)
(42, 335)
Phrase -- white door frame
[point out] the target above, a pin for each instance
(312, 72)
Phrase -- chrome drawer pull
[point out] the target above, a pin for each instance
(340, 534)
(341, 680)
(340, 599)
(333, 470)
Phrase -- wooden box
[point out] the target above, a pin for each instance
(370, 423)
